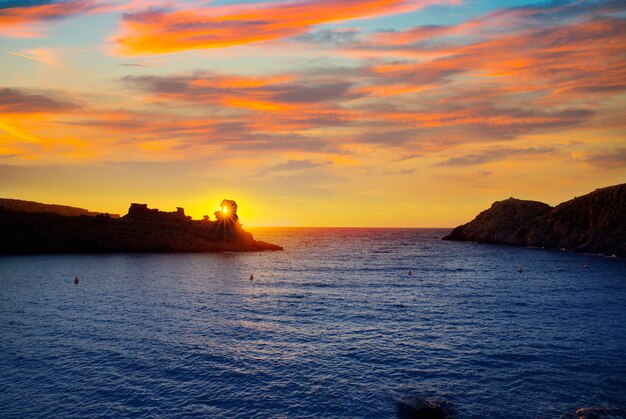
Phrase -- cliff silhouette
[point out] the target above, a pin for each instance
(593, 223)
(143, 229)
(30, 206)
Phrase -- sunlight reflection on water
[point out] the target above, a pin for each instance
(331, 326)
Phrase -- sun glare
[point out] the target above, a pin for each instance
(225, 209)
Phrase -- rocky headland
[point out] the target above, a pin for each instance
(29, 227)
(593, 223)
(18, 205)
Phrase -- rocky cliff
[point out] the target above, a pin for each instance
(593, 223)
(141, 230)
(30, 206)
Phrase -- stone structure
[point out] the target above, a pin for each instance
(142, 211)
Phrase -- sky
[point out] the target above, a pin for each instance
(398, 113)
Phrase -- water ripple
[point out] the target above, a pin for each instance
(332, 326)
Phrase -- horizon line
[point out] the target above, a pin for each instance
(339, 227)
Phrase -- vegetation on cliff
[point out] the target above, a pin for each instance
(593, 223)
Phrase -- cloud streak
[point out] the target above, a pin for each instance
(17, 101)
(41, 55)
(160, 30)
(21, 18)
(497, 154)
(614, 158)
(267, 92)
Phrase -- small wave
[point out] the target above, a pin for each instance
(318, 285)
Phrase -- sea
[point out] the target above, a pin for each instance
(332, 326)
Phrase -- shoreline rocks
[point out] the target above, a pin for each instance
(597, 413)
(419, 408)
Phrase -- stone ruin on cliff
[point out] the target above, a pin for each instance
(139, 211)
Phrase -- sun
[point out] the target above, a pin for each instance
(224, 210)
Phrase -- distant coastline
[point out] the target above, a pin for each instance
(30, 227)
(19, 205)
(593, 223)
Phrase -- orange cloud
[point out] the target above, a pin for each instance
(534, 66)
(158, 31)
(494, 86)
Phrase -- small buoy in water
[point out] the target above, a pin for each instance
(520, 269)
(410, 272)
(585, 265)
(251, 277)
(76, 280)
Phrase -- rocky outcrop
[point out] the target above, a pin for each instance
(597, 413)
(501, 223)
(593, 223)
(142, 230)
(419, 408)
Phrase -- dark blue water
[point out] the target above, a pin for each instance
(332, 326)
